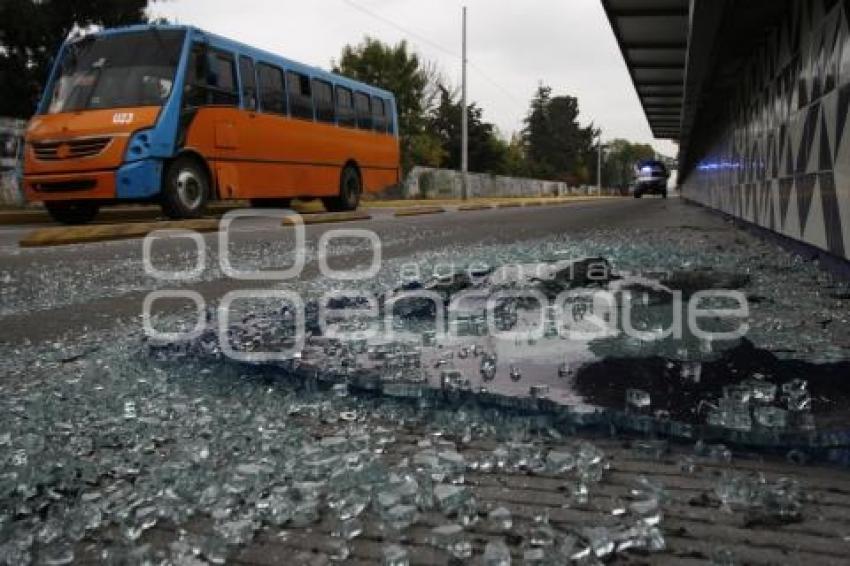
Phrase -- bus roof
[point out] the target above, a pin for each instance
(257, 54)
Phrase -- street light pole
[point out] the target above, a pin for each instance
(599, 166)
(464, 126)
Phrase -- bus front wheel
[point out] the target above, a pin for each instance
(350, 189)
(74, 212)
(186, 189)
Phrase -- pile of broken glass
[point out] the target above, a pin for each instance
(111, 455)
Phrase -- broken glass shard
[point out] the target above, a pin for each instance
(515, 373)
(560, 461)
(771, 417)
(638, 401)
(450, 497)
(500, 519)
(496, 553)
(452, 538)
(395, 555)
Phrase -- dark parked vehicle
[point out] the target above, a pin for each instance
(652, 177)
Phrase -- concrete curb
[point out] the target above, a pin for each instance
(509, 205)
(62, 236)
(331, 218)
(107, 214)
(422, 210)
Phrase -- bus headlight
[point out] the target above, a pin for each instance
(139, 146)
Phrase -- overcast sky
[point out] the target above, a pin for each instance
(513, 45)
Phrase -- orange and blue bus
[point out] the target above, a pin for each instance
(180, 117)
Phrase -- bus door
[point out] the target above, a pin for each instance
(211, 115)
(247, 141)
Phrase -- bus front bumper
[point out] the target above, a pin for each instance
(139, 180)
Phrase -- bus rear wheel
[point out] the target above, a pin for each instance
(73, 212)
(186, 189)
(350, 189)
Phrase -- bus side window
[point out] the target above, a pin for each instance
(379, 114)
(215, 85)
(249, 83)
(195, 91)
(300, 98)
(224, 90)
(272, 96)
(345, 108)
(364, 112)
(323, 94)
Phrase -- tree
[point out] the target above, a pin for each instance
(536, 135)
(556, 144)
(31, 32)
(620, 160)
(426, 150)
(516, 161)
(487, 152)
(400, 71)
(430, 113)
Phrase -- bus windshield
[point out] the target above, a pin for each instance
(122, 70)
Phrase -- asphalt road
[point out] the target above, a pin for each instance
(78, 388)
(52, 293)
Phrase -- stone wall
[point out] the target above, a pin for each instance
(428, 183)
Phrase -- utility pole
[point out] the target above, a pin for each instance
(599, 166)
(464, 127)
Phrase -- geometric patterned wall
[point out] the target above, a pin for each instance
(781, 158)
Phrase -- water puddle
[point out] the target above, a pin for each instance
(576, 338)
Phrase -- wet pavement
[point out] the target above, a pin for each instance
(537, 445)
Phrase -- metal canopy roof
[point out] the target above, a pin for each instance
(653, 36)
